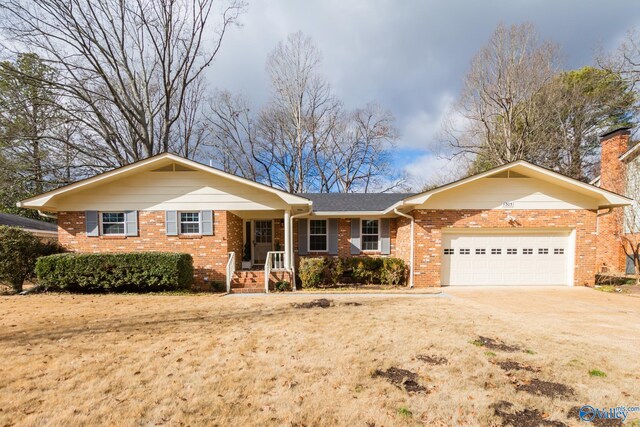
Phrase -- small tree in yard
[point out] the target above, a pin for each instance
(19, 251)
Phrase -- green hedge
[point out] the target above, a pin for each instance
(328, 271)
(121, 272)
(19, 251)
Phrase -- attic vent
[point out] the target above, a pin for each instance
(507, 174)
(173, 167)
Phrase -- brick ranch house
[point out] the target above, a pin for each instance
(517, 224)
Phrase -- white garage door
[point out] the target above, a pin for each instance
(506, 259)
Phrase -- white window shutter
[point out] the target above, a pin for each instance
(206, 223)
(131, 219)
(355, 236)
(171, 223)
(91, 223)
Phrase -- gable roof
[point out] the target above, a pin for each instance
(605, 198)
(40, 201)
(353, 202)
(27, 223)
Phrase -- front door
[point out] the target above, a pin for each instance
(262, 240)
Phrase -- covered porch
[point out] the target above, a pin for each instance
(260, 250)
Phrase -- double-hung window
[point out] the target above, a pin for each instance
(189, 222)
(113, 224)
(318, 235)
(370, 234)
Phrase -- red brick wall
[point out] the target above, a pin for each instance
(209, 252)
(429, 225)
(344, 240)
(234, 237)
(403, 239)
(611, 257)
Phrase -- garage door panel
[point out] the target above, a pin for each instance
(506, 259)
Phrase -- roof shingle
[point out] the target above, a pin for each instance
(27, 223)
(353, 202)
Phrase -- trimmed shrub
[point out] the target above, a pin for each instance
(393, 271)
(333, 270)
(366, 270)
(315, 272)
(118, 272)
(311, 272)
(19, 251)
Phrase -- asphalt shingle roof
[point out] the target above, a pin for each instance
(353, 202)
(28, 223)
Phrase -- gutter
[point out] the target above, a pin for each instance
(46, 215)
(609, 210)
(292, 260)
(411, 270)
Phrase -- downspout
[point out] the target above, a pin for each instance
(598, 215)
(411, 271)
(292, 260)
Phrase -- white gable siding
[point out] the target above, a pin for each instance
(524, 193)
(193, 190)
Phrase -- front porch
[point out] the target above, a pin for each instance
(261, 252)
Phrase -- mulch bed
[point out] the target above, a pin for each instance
(321, 303)
(401, 378)
(511, 365)
(432, 360)
(545, 388)
(496, 344)
(574, 412)
(525, 418)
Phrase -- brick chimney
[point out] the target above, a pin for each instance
(612, 171)
(610, 256)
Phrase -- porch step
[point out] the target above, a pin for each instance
(247, 279)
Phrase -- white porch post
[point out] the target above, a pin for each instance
(287, 240)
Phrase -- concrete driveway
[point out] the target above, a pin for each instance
(605, 319)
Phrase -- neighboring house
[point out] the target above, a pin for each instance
(42, 229)
(518, 224)
(619, 172)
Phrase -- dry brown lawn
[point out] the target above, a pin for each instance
(208, 360)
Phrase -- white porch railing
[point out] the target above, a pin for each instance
(231, 268)
(274, 262)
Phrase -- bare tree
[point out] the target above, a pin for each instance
(288, 119)
(302, 139)
(235, 141)
(498, 100)
(192, 130)
(126, 67)
(360, 156)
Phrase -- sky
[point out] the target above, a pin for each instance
(409, 56)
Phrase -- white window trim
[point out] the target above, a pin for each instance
(100, 222)
(326, 237)
(189, 222)
(362, 235)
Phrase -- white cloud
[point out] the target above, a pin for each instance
(432, 170)
(423, 128)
